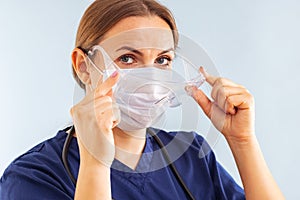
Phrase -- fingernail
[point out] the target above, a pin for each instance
(202, 70)
(113, 75)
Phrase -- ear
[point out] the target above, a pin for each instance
(80, 67)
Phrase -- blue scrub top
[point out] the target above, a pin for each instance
(40, 173)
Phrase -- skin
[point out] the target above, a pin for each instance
(231, 111)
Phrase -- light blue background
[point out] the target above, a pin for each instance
(255, 43)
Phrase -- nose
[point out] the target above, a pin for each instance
(149, 57)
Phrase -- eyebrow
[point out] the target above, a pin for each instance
(140, 53)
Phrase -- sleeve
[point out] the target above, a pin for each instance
(20, 183)
(35, 176)
(17, 183)
(224, 185)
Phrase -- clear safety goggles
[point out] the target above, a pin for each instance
(147, 58)
(162, 85)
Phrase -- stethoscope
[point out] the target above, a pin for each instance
(151, 132)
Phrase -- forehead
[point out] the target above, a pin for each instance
(139, 33)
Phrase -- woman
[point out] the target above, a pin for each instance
(40, 173)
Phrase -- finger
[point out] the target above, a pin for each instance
(116, 114)
(214, 80)
(203, 101)
(221, 83)
(218, 117)
(105, 122)
(211, 109)
(241, 102)
(104, 116)
(222, 96)
(209, 78)
(102, 104)
(105, 88)
(106, 109)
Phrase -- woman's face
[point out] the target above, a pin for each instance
(138, 41)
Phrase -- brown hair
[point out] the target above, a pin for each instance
(102, 15)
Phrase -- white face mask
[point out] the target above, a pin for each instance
(143, 94)
(143, 100)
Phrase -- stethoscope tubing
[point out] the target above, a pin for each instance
(152, 133)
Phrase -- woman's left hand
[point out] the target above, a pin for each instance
(232, 108)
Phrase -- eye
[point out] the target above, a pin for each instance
(164, 60)
(126, 59)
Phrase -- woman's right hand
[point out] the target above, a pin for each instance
(93, 118)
